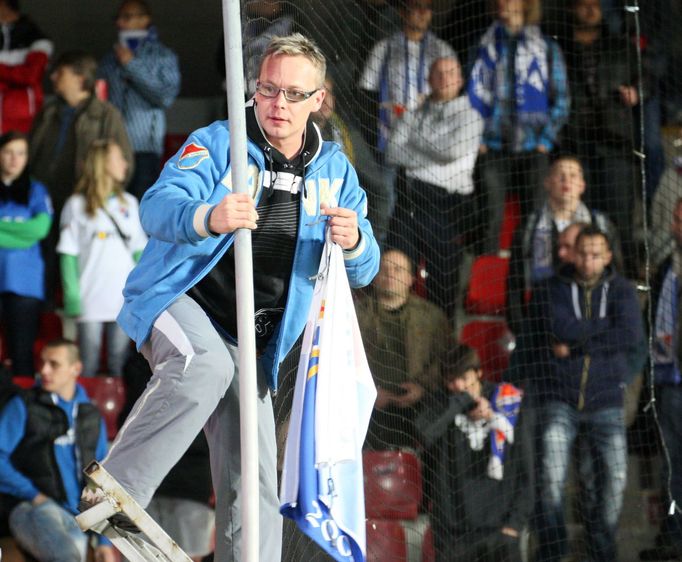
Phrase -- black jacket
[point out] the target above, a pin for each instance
(465, 499)
(34, 456)
(597, 112)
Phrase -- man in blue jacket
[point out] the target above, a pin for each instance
(180, 300)
(45, 433)
(593, 323)
(143, 79)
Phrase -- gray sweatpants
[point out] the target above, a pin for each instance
(195, 384)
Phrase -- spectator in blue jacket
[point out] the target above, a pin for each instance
(593, 324)
(26, 212)
(180, 300)
(143, 80)
(45, 435)
(518, 84)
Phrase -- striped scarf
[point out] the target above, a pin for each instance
(505, 402)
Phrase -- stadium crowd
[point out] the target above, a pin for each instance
(514, 139)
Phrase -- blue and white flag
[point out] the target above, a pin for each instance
(322, 480)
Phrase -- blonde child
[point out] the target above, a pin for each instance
(100, 241)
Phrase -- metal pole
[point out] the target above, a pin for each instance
(246, 330)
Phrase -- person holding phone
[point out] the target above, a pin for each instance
(143, 80)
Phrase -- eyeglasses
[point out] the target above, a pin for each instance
(272, 91)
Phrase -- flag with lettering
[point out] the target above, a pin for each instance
(322, 479)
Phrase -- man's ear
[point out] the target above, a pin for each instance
(318, 98)
(78, 368)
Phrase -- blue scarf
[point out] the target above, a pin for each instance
(385, 101)
(489, 85)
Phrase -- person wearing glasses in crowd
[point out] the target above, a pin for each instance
(180, 300)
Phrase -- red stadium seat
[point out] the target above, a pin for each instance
(51, 328)
(109, 395)
(487, 292)
(171, 144)
(393, 484)
(510, 220)
(419, 286)
(428, 549)
(494, 343)
(385, 541)
(24, 382)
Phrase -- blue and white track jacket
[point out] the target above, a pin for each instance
(180, 251)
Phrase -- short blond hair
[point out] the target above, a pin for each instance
(297, 45)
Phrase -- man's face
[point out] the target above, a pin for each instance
(676, 226)
(445, 79)
(591, 258)
(284, 121)
(566, 243)
(588, 13)
(66, 82)
(131, 17)
(510, 10)
(59, 372)
(395, 277)
(565, 183)
(417, 15)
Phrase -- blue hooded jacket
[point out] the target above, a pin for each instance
(180, 252)
(13, 418)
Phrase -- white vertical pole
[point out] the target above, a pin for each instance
(246, 331)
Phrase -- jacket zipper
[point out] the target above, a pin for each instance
(586, 362)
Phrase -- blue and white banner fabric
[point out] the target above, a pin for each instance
(322, 479)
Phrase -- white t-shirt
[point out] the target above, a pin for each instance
(104, 259)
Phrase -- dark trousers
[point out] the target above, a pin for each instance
(502, 172)
(21, 318)
(147, 168)
(438, 225)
